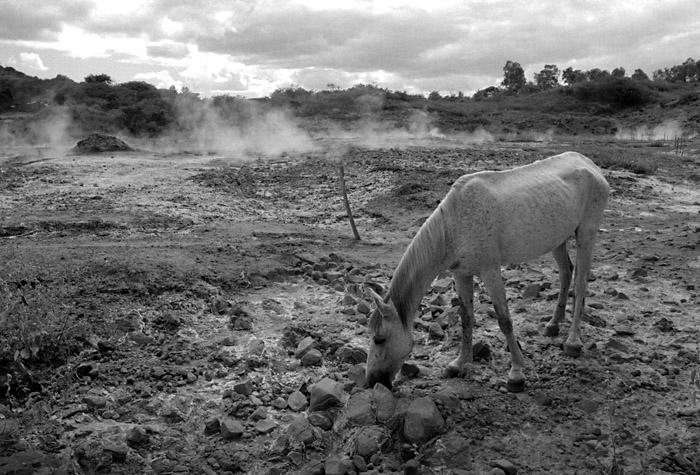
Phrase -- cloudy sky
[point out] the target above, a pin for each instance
(252, 47)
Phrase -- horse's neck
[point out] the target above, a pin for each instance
(424, 259)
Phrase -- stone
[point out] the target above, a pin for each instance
(117, 451)
(356, 374)
(305, 345)
(231, 429)
(300, 430)
(326, 393)
(256, 346)
(452, 450)
(259, 414)
(435, 331)
(532, 291)
(244, 387)
(505, 465)
(312, 358)
(422, 421)
(337, 466)
(95, 401)
(359, 408)
(351, 354)
(297, 401)
(384, 402)
(138, 434)
(265, 426)
(369, 441)
(321, 420)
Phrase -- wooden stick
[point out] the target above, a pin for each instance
(347, 203)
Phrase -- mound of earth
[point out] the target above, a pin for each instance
(96, 143)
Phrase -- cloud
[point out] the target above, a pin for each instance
(161, 79)
(32, 61)
(168, 50)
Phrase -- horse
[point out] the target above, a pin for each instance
(486, 220)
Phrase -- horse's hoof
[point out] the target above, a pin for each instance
(515, 386)
(573, 350)
(551, 330)
(454, 372)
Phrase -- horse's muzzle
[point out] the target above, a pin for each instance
(381, 377)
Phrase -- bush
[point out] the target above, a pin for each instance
(621, 92)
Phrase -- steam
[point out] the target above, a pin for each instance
(667, 130)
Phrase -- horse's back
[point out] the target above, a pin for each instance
(524, 212)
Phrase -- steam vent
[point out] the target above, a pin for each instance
(96, 143)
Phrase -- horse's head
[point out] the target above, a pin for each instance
(390, 342)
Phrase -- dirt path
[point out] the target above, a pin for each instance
(183, 284)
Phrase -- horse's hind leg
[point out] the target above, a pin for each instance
(465, 290)
(565, 270)
(493, 281)
(585, 239)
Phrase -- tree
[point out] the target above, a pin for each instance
(434, 96)
(98, 78)
(618, 72)
(639, 75)
(596, 74)
(572, 76)
(548, 78)
(513, 76)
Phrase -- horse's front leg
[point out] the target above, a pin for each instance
(465, 291)
(493, 281)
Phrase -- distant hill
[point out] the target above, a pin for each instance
(634, 108)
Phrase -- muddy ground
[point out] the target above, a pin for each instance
(160, 296)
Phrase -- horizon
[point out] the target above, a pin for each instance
(250, 48)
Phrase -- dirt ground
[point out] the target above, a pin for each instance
(181, 274)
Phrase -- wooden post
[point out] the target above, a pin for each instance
(347, 203)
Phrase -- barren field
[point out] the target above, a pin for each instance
(192, 312)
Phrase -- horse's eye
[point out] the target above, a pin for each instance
(378, 340)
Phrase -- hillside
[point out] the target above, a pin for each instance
(39, 110)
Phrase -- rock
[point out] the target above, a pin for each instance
(300, 430)
(436, 331)
(422, 421)
(244, 387)
(369, 441)
(265, 426)
(231, 429)
(308, 258)
(279, 403)
(532, 291)
(452, 451)
(95, 401)
(96, 143)
(359, 408)
(321, 420)
(356, 373)
(624, 330)
(138, 434)
(449, 399)
(324, 394)
(384, 402)
(337, 466)
(506, 466)
(259, 414)
(351, 354)
(297, 401)
(280, 444)
(256, 346)
(117, 451)
(363, 307)
(312, 358)
(21, 463)
(304, 346)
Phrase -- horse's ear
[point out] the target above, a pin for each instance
(383, 307)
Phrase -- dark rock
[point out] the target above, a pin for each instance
(297, 401)
(265, 426)
(359, 408)
(506, 466)
(452, 450)
(97, 143)
(337, 466)
(351, 354)
(300, 430)
(231, 429)
(321, 420)
(532, 291)
(312, 358)
(369, 441)
(244, 387)
(384, 402)
(138, 434)
(324, 394)
(304, 346)
(422, 421)
(117, 451)
(356, 373)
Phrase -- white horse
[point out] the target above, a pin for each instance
(486, 220)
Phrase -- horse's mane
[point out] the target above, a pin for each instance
(427, 250)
